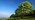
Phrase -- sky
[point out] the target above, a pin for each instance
(8, 7)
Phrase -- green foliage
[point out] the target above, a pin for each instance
(12, 15)
(26, 4)
(24, 7)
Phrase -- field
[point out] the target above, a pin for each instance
(24, 19)
(3, 18)
(18, 19)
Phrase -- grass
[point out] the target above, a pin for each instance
(17, 19)
(24, 19)
(3, 18)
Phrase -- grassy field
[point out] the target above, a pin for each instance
(24, 19)
(18, 19)
(3, 18)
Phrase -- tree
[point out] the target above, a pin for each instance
(13, 15)
(24, 7)
(33, 14)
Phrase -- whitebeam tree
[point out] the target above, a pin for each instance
(24, 7)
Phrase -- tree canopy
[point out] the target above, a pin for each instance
(24, 7)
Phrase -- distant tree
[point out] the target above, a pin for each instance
(12, 15)
(33, 14)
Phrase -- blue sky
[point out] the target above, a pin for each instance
(8, 7)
